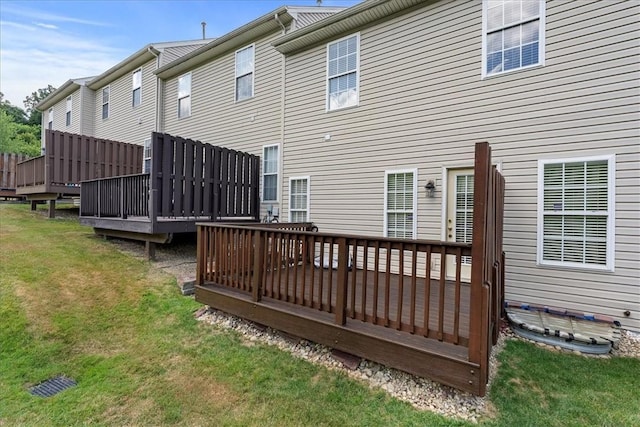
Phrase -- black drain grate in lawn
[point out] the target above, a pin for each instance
(52, 386)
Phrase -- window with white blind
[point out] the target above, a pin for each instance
(270, 168)
(299, 199)
(513, 35)
(184, 96)
(69, 106)
(464, 211)
(244, 73)
(576, 212)
(146, 157)
(400, 204)
(342, 72)
(136, 82)
(105, 102)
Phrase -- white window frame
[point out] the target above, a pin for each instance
(252, 73)
(329, 77)
(276, 173)
(541, 39)
(299, 178)
(50, 121)
(188, 95)
(108, 103)
(69, 110)
(610, 213)
(146, 155)
(414, 228)
(134, 88)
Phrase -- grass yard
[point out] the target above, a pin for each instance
(71, 304)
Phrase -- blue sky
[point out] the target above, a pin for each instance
(49, 42)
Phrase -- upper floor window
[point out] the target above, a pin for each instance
(270, 170)
(50, 120)
(400, 204)
(342, 72)
(137, 88)
(576, 212)
(184, 95)
(68, 116)
(105, 102)
(513, 35)
(244, 73)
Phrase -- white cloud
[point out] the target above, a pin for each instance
(34, 56)
(47, 26)
(45, 16)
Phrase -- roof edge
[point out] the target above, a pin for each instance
(62, 92)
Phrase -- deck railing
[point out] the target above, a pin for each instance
(418, 287)
(188, 179)
(70, 159)
(382, 281)
(8, 172)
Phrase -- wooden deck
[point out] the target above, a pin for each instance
(403, 303)
(189, 182)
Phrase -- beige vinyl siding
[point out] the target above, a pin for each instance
(216, 117)
(86, 112)
(423, 104)
(126, 123)
(172, 53)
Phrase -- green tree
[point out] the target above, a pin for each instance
(18, 137)
(17, 113)
(30, 102)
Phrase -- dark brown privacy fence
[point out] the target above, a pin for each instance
(188, 179)
(8, 169)
(70, 158)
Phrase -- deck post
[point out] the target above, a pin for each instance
(258, 264)
(150, 250)
(200, 253)
(478, 316)
(341, 295)
(34, 205)
(153, 217)
(52, 208)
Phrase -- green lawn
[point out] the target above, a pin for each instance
(71, 304)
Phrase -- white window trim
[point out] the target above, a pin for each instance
(188, 96)
(253, 74)
(327, 109)
(415, 199)
(50, 119)
(541, 43)
(611, 244)
(108, 103)
(277, 174)
(295, 178)
(69, 111)
(134, 88)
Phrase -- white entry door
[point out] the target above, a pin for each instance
(459, 222)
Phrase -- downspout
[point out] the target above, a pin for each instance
(157, 124)
(283, 80)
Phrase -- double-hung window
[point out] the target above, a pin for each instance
(513, 35)
(136, 81)
(184, 95)
(299, 199)
(50, 125)
(400, 204)
(576, 212)
(146, 157)
(270, 168)
(105, 102)
(244, 73)
(342, 72)
(68, 115)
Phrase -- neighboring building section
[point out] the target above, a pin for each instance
(66, 108)
(389, 96)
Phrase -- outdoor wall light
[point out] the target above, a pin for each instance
(431, 188)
